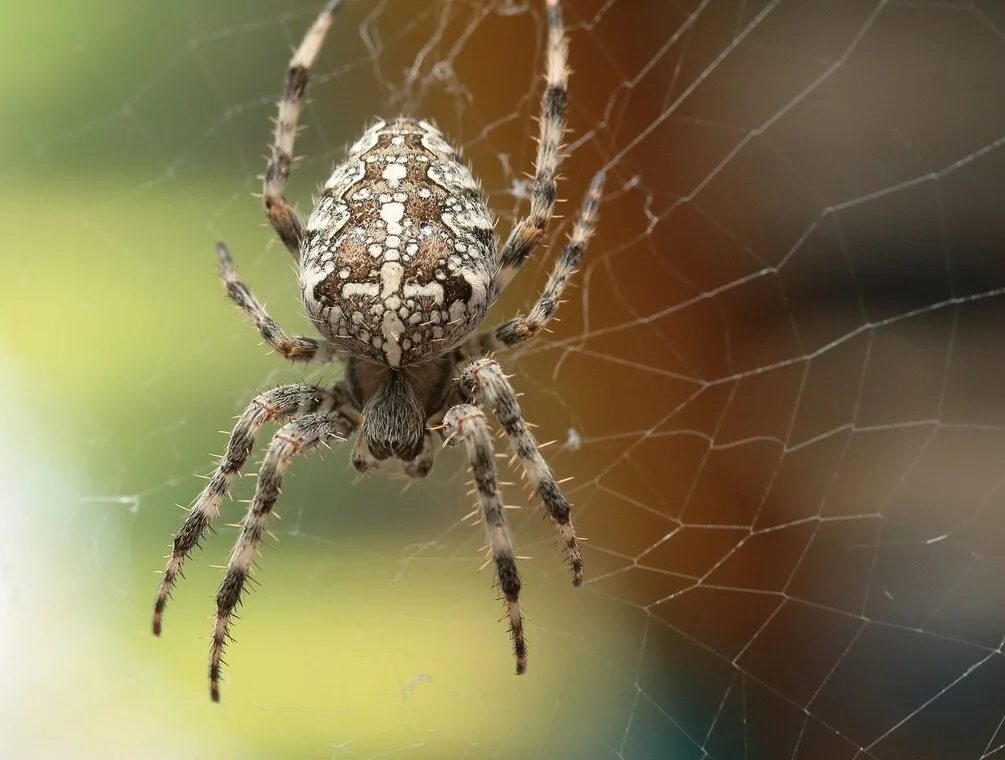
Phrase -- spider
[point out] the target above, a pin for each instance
(398, 266)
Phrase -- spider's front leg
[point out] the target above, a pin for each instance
(282, 217)
(466, 423)
(300, 435)
(528, 231)
(276, 404)
(483, 381)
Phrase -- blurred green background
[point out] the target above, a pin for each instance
(131, 143)
(777, 387)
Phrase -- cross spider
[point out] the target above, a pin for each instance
(399, 265)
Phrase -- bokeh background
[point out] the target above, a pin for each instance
(778, 387)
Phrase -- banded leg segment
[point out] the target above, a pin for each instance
(484, 382)
(467, 423)
(276, 404)
(524, 328)
(296, 349)
(281, 215)
(528, 232)
(302, 434)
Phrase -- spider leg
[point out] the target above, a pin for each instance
(298, 348)
(521, 329)
(467, 423)
(528, 231)
(300, 435)
(276, 404)
(483, 381)
(281, 215)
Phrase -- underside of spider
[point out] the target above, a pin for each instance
(398, 267)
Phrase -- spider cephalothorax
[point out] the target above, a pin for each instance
(399, 265)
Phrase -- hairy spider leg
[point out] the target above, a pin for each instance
(282, 216)
(521, 328)
(466, 423)
(297, 349)
(296, 437)
(275, 405)
(483, 382)
(528, 232)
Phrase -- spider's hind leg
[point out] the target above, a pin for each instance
(528, 232)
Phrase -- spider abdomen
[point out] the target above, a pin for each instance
(398, 258)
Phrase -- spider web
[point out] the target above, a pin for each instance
(774, 388)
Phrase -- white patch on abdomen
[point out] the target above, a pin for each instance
(345, 176)
(366, 289)
(394, 173)
(434, 290)
(391, 328)
(392, 213)
(390, 278)
(479, 286)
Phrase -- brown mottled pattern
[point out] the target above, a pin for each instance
(444, 284)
